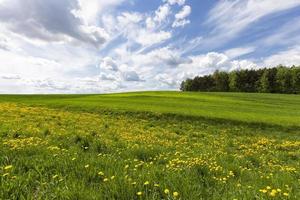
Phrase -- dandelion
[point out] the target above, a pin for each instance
(268, 188)
(263, 191)
(156, 185)
(112, 178)
(146, 183)
(175, 194)
(273, 193)
(8, 167)
(139, 193)
(133, 183)
(105, 179)
(100, 173)
(126, 166)
(278, 190)
(286, 194)
(166, 191)
(87, 166)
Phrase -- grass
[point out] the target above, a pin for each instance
(150, 145)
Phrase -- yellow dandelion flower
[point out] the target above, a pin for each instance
(278, 190)
(166, 191)
(112, 178)
(105, 179)
(156, 185)
(139, 193)
(263, 191)
(268, 188)
(286, 194)
(175, 194)
(8, 167)
(87, 166)
(273, 193)
(100, 173)
(146, 183)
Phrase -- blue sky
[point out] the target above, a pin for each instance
(99, 46)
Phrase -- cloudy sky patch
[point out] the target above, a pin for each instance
(99, 46)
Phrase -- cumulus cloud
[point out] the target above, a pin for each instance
(162, 12)
(180, 17)
(287, 57)
(49, 21)
(108, 63)
(130, 76)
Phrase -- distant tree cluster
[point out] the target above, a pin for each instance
(268, 80)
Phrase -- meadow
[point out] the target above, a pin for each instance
(150, 145)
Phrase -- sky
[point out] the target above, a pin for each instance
(101, 46)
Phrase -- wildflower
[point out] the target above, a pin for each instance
(273, 193)
(8, 167)
(278, 190)
(175, 194)
(268, 187)
(139, 193)
(100, 173)
(105, 179)
(286, 194)
(126, 166)
(112, 178)
(146, 183)
(263, 191)
(73, 159)
(133, 183)
(87, 166)
(156, 185)
(166, 191)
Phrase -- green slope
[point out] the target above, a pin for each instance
(273, 109)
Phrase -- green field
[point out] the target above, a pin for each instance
(150, 145)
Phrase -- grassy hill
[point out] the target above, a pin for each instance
(150, 145)
(276, 109)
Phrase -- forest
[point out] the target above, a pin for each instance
(280, 79)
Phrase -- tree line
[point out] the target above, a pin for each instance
(279, 79)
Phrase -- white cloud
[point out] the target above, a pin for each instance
(10, 77)
(228, 18)
(130, 76)
(108, 63)
(180, 20)
(127, 18)
(288, 58)
(149, 38)
(239, 51)
(49, 21)
(172, 2)
(162, 12)
(90, 9)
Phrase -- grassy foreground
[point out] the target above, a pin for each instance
(151, 145)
